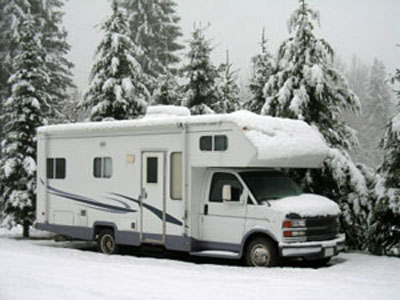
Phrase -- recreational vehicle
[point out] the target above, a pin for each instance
(208, 185)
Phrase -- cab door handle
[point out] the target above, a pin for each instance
(206, 209)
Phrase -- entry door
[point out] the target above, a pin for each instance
(153, 196)
(224, 221)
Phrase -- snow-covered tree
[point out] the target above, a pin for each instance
(167, 91)
(11, 13)
(47, 17)
(263, 67)
(117, 83)
(200, 92)
(305, 86)
(372, 88)
(154, 26)
(227, 89)
(386, 228)
(23, 114)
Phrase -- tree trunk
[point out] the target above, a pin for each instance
(26, 227)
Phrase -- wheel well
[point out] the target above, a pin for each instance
(255, 235)
(99, 228)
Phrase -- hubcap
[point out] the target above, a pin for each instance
(260, 255)
(107, 244)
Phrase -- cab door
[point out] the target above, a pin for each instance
(224, 221)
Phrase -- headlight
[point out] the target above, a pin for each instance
(294, 223)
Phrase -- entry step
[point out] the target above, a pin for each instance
(217, 253)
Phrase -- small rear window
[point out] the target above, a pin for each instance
(206, 143)
(213, 143)
(221, 143)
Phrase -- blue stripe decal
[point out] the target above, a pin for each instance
(111, 208)
(156, 211)
(89, 201)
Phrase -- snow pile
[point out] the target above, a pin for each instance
(279, 142)
(306, 205)
(166, 111)
(288, 143)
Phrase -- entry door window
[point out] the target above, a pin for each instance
(152, 169)
(218, 182)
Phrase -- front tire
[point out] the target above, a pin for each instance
(106, 242)
(261, 252)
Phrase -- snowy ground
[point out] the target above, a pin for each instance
(43, 269)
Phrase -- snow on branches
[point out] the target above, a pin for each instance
(118, 85)
(24, 111)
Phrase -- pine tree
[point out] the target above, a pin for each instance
(227, 89)
(167, 91)
(307, 87)
(371, 86)
(386, 228)
(200, 92)
(23, 114)
(263, 66)
(118, 85)
(47, 17)
(11, 12)
(154, 27)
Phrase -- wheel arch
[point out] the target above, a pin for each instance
(99, 226)
(255, 233)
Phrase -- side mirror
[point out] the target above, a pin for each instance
(227, 193)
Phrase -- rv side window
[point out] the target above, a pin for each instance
(206, 143)
(56, 168)
(220, 142)
(218, 182)
(176, 176)
(152, 169)
(102, 167)
(213, 143)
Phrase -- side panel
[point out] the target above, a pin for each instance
(81, 199)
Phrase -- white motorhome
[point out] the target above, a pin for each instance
(209, 185)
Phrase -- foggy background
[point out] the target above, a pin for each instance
(367, 28)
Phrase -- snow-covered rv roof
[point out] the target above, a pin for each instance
(277, 141)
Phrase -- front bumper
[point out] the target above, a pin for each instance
(313, 250)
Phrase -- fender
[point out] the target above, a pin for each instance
(256, 231)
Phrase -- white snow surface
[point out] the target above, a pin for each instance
(42, 269)
(167, 111)
(283, 142)
(306, 205)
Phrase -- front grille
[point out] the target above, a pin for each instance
(321, 228)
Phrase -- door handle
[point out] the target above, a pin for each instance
(206, 209)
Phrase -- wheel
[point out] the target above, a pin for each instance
(106, 242)
(261, 252)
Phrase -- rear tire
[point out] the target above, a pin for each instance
(106, 242)
(261, 252)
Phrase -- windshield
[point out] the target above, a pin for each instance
(270, 185)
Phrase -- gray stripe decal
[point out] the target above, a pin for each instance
(154, 210)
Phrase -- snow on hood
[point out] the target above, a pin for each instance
(306, 205)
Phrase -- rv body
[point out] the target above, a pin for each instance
(188, 183)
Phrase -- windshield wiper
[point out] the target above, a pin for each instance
(266, 199)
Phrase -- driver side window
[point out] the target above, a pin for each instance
(221, 179)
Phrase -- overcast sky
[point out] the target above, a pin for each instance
(367, 28)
